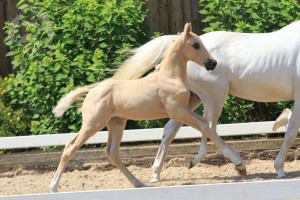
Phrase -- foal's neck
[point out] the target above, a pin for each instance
(174, 64)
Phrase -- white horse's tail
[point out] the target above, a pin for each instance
(144, 58)
(66, 101)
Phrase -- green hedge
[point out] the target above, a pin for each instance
(249, 16)
(68, 43)
(12, 122)
(73, 43)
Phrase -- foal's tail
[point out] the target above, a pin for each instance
(66, 101)
(144, 58)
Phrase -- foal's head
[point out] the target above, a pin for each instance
(194, 49)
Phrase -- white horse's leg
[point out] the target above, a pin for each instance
(169, 133)
(116, 127)
(212, 111)
(192, 119)
(293, 127)
(170, 130)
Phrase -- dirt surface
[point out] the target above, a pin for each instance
(175, 172)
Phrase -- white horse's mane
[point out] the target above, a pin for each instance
(144, 58)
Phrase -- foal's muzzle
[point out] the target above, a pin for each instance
(210, 64)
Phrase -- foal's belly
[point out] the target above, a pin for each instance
(146, 112)
(133, 102)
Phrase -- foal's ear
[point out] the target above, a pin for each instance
(187, 28)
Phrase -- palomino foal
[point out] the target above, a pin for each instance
(159, 95)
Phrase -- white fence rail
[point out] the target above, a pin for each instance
(264, 190)
(136, 135)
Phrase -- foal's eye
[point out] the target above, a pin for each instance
(196, 46)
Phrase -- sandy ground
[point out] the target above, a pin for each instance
(174, 173)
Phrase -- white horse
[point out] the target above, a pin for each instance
(263, 67)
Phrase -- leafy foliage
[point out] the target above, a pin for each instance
(12, 122)
(67, 44)
(249, 16)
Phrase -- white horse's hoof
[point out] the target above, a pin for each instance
(280, 172)
(154, 180)
(281, 176)
(282, 120)
(156, 177)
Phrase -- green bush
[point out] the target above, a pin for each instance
(249, 16)
(12, 122)
(67, 44)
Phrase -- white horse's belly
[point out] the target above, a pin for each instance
(263, 87)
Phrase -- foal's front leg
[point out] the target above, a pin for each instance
(115, 128)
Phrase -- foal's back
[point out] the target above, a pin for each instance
(131, 99)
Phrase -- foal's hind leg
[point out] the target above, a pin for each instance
(70, 149)
(170, 131)
(90, 125)
(116, 127)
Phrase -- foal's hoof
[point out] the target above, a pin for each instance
(53, 188)
(190, 165)
(140, 185)
(241, 169)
